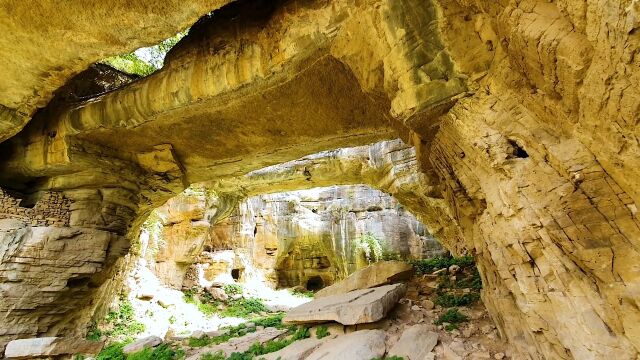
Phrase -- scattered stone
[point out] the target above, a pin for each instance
(486, 329)
(216, 333)
(428, 304)
(298, 350)
(50, 346)
(140, 344)
(449, 354)
(380, 273)
(415, 308)
(146, 296)
(356, 307)
(360, 345)
(415, 343)
(198, 334)
(454, 269)
(499, 356)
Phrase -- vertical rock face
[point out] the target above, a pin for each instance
(321, 235)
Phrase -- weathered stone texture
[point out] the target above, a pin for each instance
(51, 209)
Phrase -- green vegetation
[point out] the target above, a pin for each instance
(270, 346)
(219, 355)
(162, 352)
(239, 330)
(451, 300)
(322, 331)
(112, 352)
(244, 308)
(144, 61)
(302, 293)
(452, 317)
(428, 266)
(232, 289)
(367, 246)
(121, 323)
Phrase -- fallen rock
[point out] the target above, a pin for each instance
(499, 356)
(356, 307)
(50, 346)
(360, 345)
(218, 294)
(415, 343)
(450, 354)
(298, 350)
(140, 344)
(380, 273)
(428, 304)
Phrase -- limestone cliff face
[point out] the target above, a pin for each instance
(318, 234)
(523, 115)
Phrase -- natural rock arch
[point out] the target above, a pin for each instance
(472, 85)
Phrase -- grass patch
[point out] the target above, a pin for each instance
(219, 355)
(452, 317)
(162, 352)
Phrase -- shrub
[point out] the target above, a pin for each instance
(270, 321)
(322, 331)
(112, 352)
(244, 307)
(452, 317)
(162, 352)
(232, 289)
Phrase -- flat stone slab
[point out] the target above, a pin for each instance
(359, 345)
(376, 274)
(50, 346)
(239, 344)
(355, 307)
(298, 350)
(415, 343)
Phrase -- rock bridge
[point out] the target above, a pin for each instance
(522, 115)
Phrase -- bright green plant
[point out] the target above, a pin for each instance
(451, 300)
(219, 355)
(232, 289)
(243, 308)
(452, 317)
(322, 331)
(112, 352)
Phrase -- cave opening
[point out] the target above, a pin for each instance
(315, 283)
(236, 274)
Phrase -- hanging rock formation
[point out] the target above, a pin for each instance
(523, 115)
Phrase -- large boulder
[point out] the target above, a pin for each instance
(360, 345)
(355, 307)
(50, 346)
(140, 344)
(415, 343)
(380, 273)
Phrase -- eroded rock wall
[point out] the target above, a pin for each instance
(296, 236)
(523, 114)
